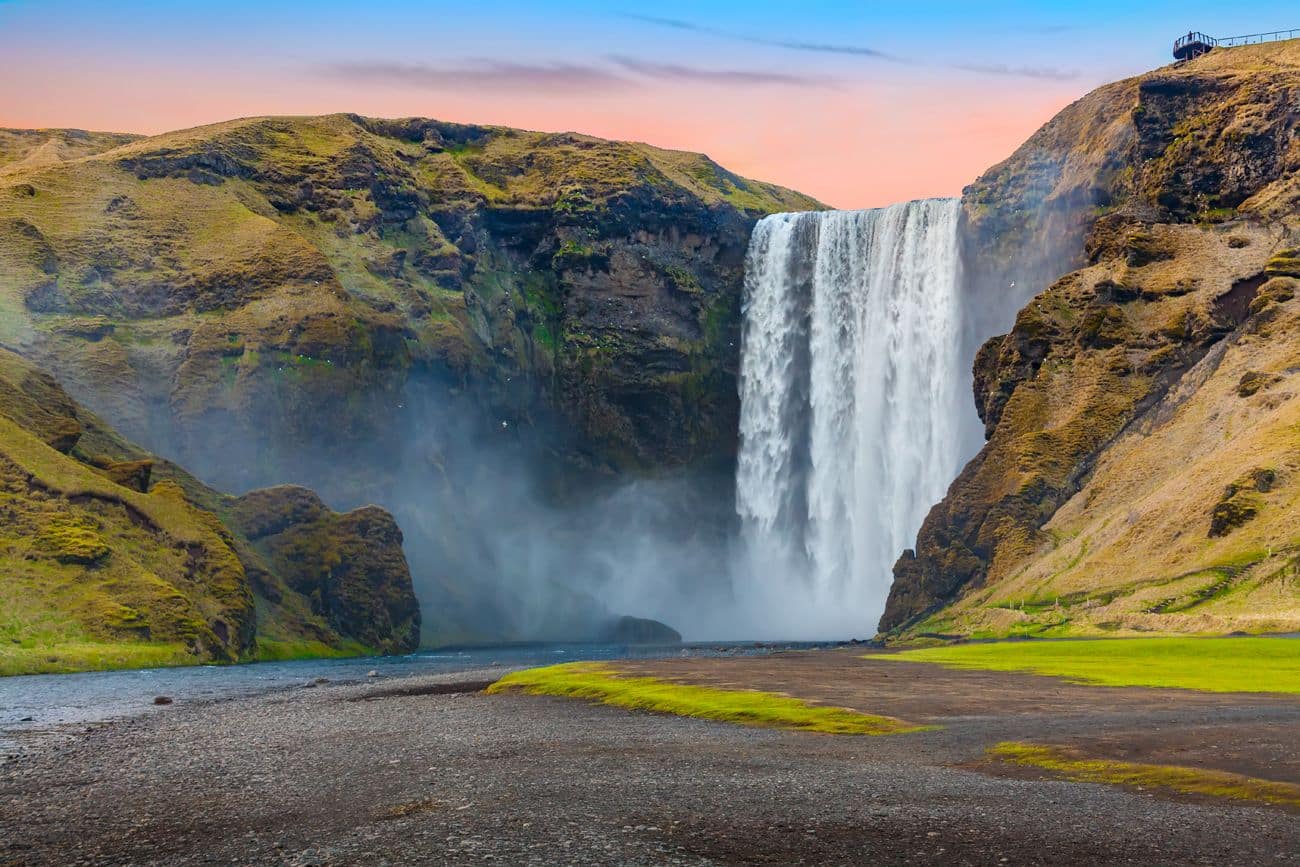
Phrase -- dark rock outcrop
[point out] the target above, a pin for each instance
(350, 567)
(639, 630)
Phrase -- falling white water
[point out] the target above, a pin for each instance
(853, 400)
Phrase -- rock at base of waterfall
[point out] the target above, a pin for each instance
(639, 630)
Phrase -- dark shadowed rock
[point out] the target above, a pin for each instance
(639, 630)
(350, 566)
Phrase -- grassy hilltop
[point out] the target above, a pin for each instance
(206, 277)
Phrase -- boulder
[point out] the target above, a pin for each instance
(639, 630)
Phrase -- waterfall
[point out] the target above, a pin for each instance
(854, 408)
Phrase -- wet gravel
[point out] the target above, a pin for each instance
(420, 771)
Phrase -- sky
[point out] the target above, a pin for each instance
(857, 103)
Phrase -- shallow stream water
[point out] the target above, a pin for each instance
(52, 702)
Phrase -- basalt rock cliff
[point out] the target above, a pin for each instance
(278, 280)
(1141, 470)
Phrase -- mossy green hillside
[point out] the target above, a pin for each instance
(1245, 664)
(374, 248)
(112, 562)
(1171, 778)
(270, 299)
(110, 557)
(604, 684)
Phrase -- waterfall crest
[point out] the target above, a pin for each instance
(853, 405)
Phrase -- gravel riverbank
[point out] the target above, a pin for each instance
(430, 770)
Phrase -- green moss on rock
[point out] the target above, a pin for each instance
(70, 541)
(349, 567)
(1284, 264)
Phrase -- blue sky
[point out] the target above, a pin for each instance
(856, 102)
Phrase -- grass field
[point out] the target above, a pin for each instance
(1248, 664)
(1187, 781)
(601, 683)
(91, 656)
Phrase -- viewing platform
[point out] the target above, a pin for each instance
(1195, 44)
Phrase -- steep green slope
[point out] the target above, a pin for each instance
(109, 557)
(1140, 473)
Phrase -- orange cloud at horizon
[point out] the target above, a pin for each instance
(862, 144)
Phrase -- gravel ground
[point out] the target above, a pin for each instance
(420, 771)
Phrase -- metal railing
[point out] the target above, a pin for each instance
(1256, 38)
(1194, 38)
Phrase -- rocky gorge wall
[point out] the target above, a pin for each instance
(1154, 223)
(407, 312)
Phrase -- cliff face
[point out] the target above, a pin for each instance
(1140, 470)
(277, 280)
(414, 313)
(112, 557)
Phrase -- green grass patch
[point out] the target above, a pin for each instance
(1187, 781)
(272, 650)
(601, 683)
(91, 656)
(1251, 664)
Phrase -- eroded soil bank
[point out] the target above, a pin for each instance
(420, 774)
